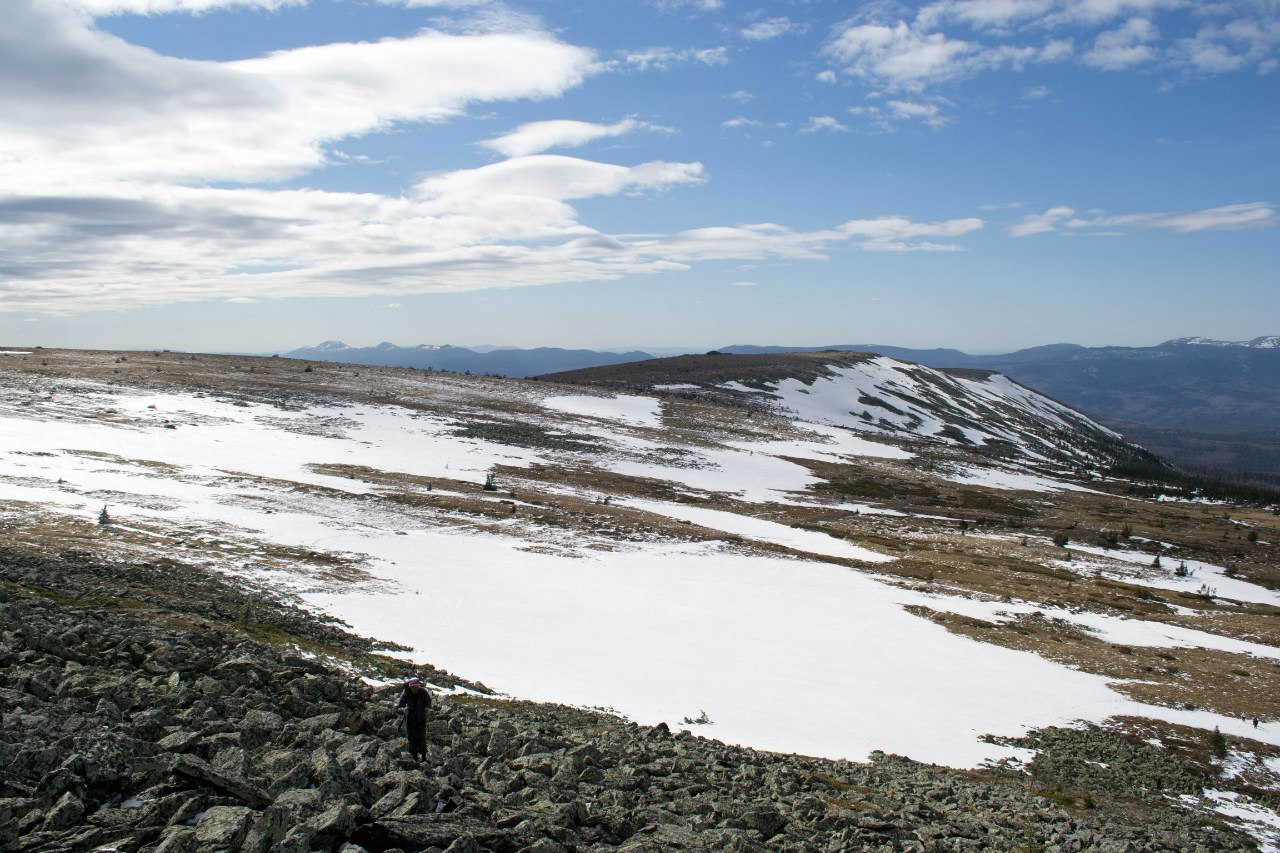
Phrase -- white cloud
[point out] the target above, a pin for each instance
(107, 203)
(741, 121)
(1056, 50)
(1101, 11)
(742, 96)
(825, 123)
(450, 4)
(1230, 46)
(547, 177)
(948, 40)
(662, 58)
(899, 55)
(772, 28)
(1035, 93)
(504, 224)
(1231, 217)
(103, 8)
(79, 105)
(765, 240)
(983, 13)
(899, 234)
(928, 114)
(1010, 15)
(905, 57)
(693, 5)
(895, 111)
(1040, 223)
(507, 224)
(539, 136)
(1124, 47)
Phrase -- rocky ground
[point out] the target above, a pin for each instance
(154, 707)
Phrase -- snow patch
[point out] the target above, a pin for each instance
(762, 530)
(637, 411)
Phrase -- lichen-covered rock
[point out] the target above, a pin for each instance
(259, 728)
(223, 828)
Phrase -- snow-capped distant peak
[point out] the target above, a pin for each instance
(1265, 342)
(331, 346)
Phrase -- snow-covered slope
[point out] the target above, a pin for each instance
(972, 408)
(636, 551)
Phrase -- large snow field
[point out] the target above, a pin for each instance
(784, 654)
(793, 657)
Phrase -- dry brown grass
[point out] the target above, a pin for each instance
(1230, 684)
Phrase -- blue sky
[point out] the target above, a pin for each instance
(257, 175)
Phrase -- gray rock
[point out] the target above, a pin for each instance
(223, 828)
(178, 840)
(259, 728)
(64, 814)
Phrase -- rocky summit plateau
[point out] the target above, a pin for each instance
(784, 602)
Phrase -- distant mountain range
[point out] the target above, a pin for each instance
(1209, 405)
(498, 361)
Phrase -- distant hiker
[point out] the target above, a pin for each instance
(1255, 722)
(414, 703)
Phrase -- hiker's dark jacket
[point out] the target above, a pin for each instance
(416, 706)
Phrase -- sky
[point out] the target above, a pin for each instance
(259, 175)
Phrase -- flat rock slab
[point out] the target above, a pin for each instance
(418, 831)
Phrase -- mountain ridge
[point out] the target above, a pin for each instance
(1175, 398)
(880, 395)
(499, 361)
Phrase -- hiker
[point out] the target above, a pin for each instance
(1255, 721)
(414, 703)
